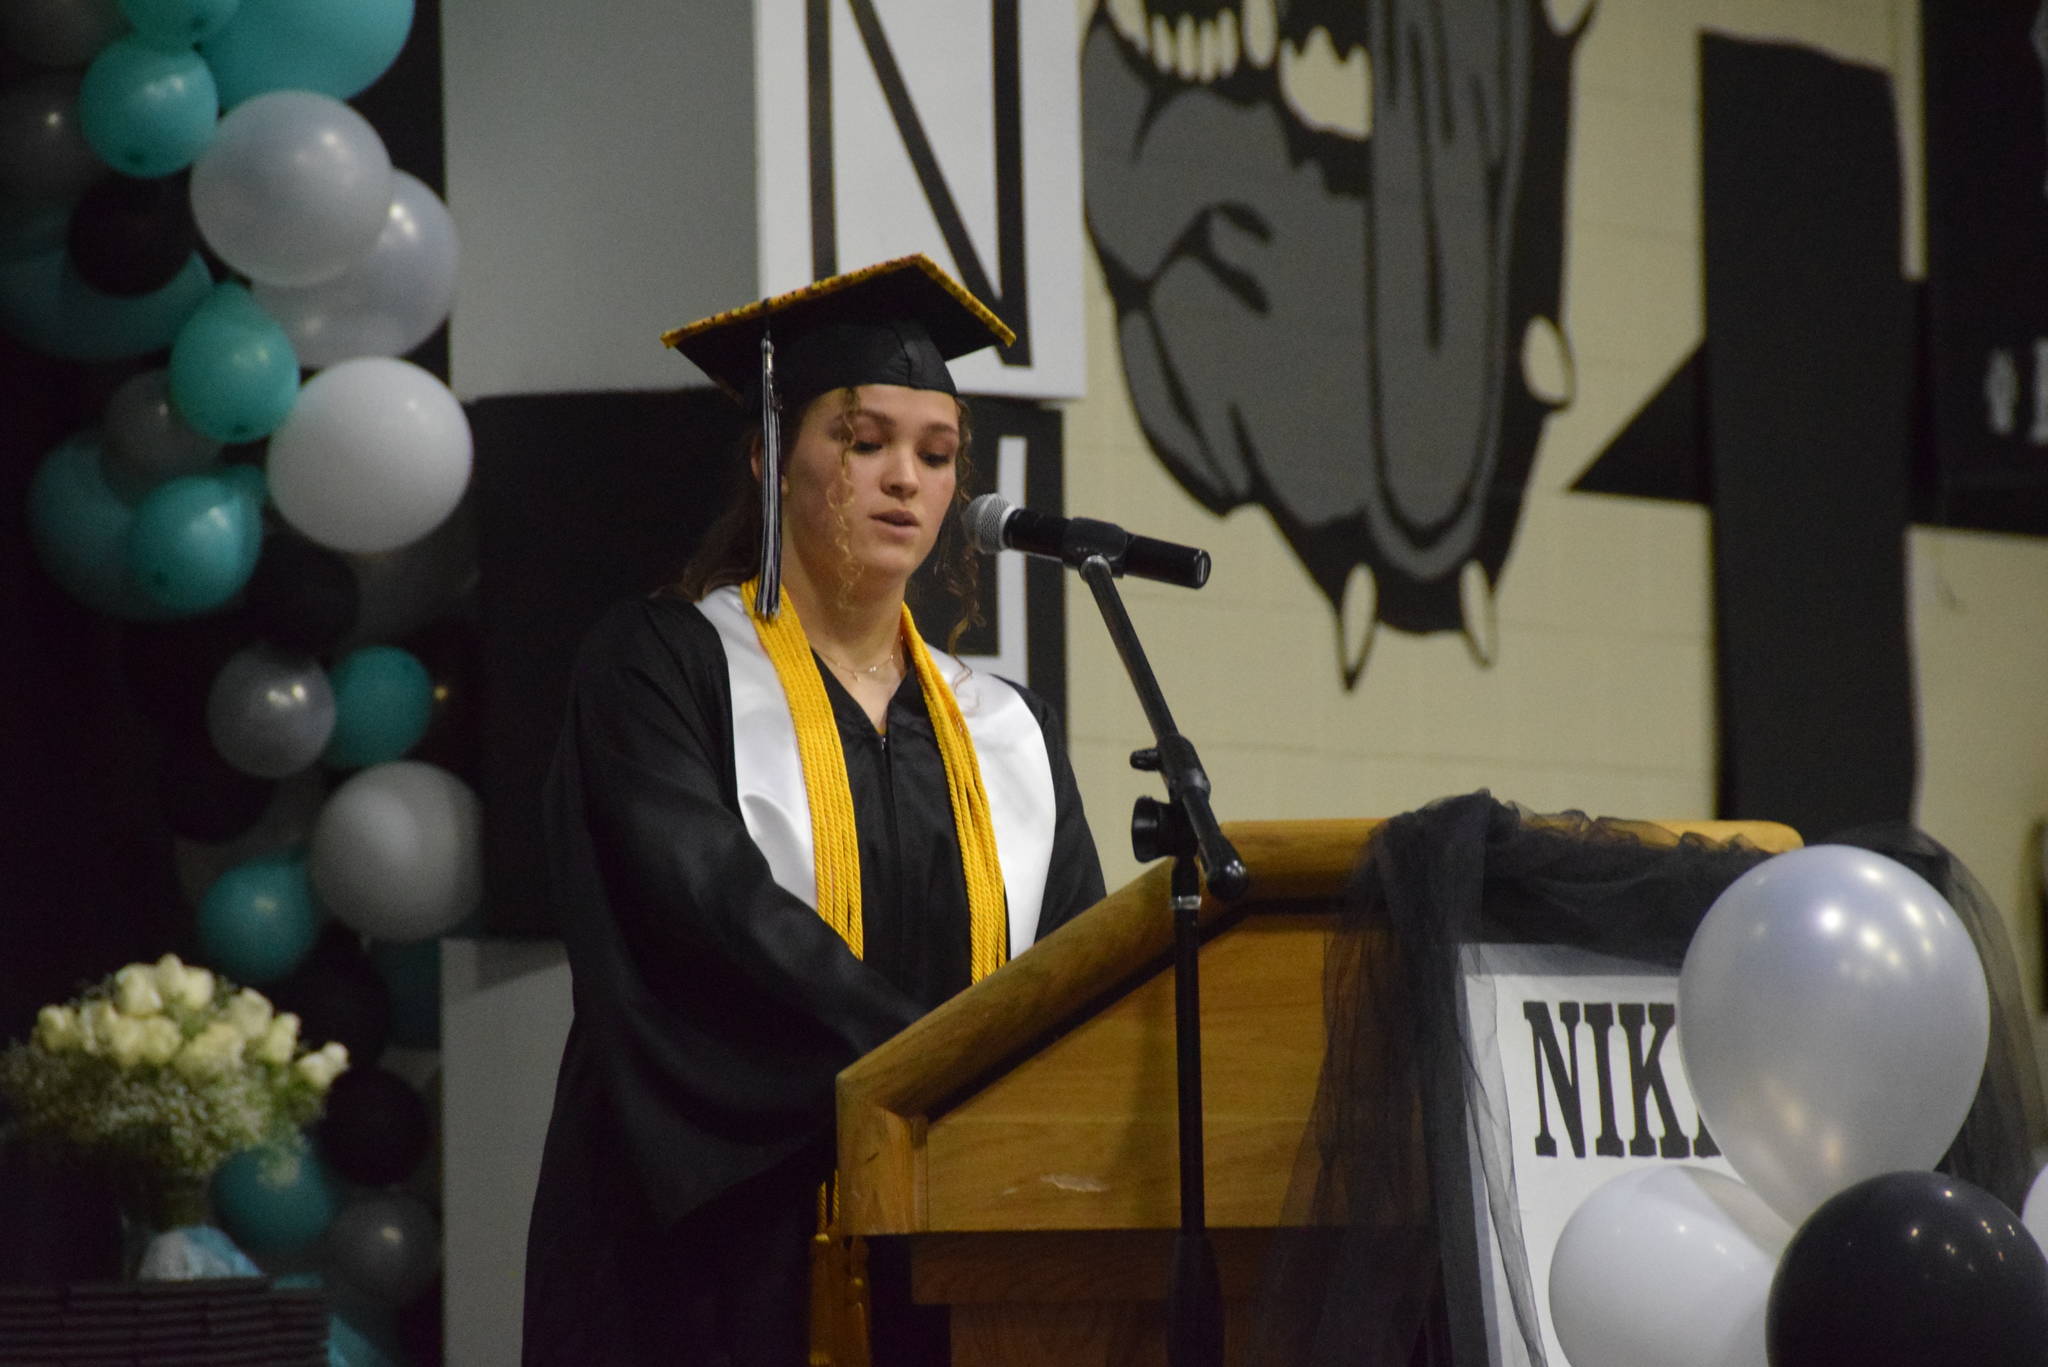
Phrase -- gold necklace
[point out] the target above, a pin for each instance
(872, 671)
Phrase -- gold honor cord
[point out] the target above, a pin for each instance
(835, 842)
(987, 914)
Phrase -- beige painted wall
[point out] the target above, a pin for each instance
(1601, 697)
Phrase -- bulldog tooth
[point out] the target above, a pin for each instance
(1566, 15)
(1187, 48)
(1129, 18)
(1261, 32)
(1475, 612)
(1358, 621)
(1226, 43)
(1209, 62)
(1547, 370)
(1324, 92)
(1162, 43)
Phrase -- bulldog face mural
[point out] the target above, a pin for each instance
(1333, 231)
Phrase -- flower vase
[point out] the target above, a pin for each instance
(150, 1216)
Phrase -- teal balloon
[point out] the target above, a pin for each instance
(234, 375)
(249, 481)
(48, 308)
(383, 700)
(275, 1200)
(32, 229)
(258, 921)
(178, 21)
(80, 529)
(148, 108)
(336, 47)
(194, 542)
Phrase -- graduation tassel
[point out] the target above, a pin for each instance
(839, 1290)
(768, 591)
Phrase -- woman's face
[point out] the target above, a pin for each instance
(875, 514)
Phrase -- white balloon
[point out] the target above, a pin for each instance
(294, 187)
(397, 851)
(2034, 1214)
(374, 454)
(1666, 1266)
(1834, 1020)
(386, 303)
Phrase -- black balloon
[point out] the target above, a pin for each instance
(204, 797)
(376, 1130)
(302, 595)
(1905, 1270)
(450, 649)
(339, 995)
(131, 237)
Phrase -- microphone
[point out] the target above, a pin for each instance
(994, 523)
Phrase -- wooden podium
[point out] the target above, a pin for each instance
(1023, 1133)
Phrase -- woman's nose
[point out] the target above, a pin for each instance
(899, 475)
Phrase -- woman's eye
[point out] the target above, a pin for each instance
(938, 459)
(866, 448)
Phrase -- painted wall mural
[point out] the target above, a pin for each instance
(1336, 224)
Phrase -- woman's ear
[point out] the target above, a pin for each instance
(754, 455)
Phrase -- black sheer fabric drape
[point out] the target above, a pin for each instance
(1379, 1262)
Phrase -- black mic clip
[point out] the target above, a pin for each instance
(1086, 536)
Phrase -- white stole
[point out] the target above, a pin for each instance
(1008, 742)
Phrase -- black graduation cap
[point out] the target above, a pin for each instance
(896, 322)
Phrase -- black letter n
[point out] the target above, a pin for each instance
(1544, 1041)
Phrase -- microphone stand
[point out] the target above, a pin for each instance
(1183, 827)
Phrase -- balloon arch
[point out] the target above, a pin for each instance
(190, 196)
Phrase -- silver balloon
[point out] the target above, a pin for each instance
(398, 853)
(1833, 1018)
(60, 32)
(44, 157)
(145, 442)
(387, 1244)
(388, 302)
(270, 711)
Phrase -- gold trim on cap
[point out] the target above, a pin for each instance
(833, 284)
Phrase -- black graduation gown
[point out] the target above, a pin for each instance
(693, 1110)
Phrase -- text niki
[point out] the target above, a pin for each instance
(1646, 1081)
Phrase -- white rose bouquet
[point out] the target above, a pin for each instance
(153, 1076)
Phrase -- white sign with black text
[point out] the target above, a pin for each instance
(1580, 1052)
(949, 127)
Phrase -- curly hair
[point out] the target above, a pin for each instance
(731, 548)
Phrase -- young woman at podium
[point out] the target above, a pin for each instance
(780, 829)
